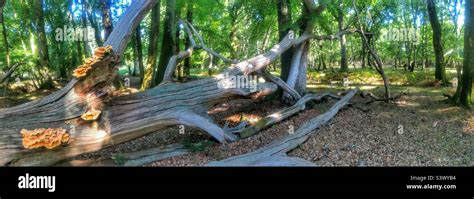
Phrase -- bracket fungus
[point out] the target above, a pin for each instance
(49, 138)
(99, 53)
(91, 115)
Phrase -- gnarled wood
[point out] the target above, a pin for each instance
(281, 115)
(280, 147)
(127, 117)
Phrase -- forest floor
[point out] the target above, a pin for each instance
(418, 130)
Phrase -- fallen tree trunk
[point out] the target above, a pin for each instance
(281, 115)
(275, 154)
(152, 155)
(132, 116)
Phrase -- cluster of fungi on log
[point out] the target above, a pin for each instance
(99, 53)
(49, 138)
(91, 115)
(124, 118)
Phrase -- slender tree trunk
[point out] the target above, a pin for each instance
(284, 26)
(342, 41)
(440, 72)
(189, 17)
(152, 48)
(179, 67)
(84, 38)
(139, 55)
(168, 47)
(234, 46)
(106, 17)
(363, 54)
(7, 49)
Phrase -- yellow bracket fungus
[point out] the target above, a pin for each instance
(91, 115)
(49, 138)
(99, 53)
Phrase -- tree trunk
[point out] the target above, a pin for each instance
(152, 48)
(42, 44)
(467, 74)
(106, 17)
(284, 26)
(342, 41)
(132, 116)
(440, 72)
(168, 45)
(7, 50)
(85, 41)
(189, 17)
(139, 55)
(93, 22)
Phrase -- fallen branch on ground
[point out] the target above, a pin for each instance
(375, 98)
(151, 155)
(10, 72)
(275, 154)
(281, 115)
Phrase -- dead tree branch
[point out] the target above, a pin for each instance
(275, 154)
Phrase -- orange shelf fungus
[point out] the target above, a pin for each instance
(99, 53)
(49, 138)
(81, 71)
(91, 115)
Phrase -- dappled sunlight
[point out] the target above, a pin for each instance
(237, 118)
(469, 127)
(406, 103)
(366, 87)
(448, 109)
(275, 116)
(101, 134)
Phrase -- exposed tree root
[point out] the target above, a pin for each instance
(375, 98)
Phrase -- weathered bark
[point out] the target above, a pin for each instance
(152, 47)
(168, 45)
(275, 154)
(132, 116)
(440, 71)
(284, 26)
(281, 115)
(152, 155)
(299, 60)
(67, 104)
